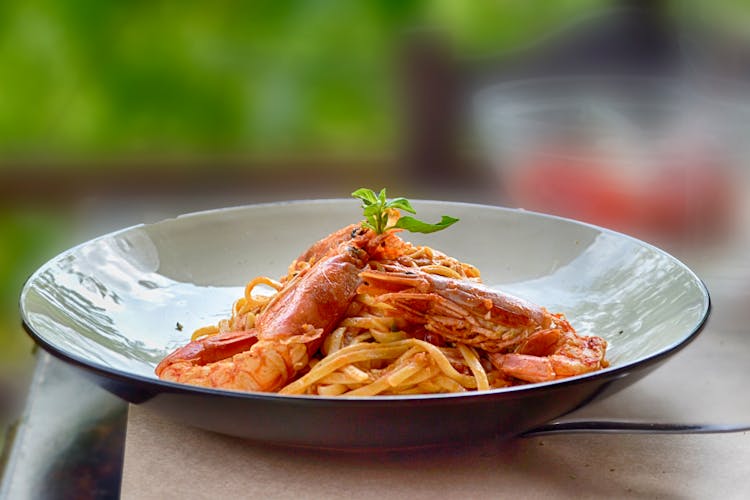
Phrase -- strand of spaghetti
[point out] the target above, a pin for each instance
(355, 374)
(441, 270)
(333, 342)
(373, 389)
(387, 382)
(443, 363)
(368, 322)
(347, 375)
(385, 337)
(404, 380)
(448, 384)
(410, 357)
(419, 378)
(421, 251)
(470, 356)
(369, 351)
(332, 389)
(204, 331)
(339, 359)
(240, 307)
(259, 280)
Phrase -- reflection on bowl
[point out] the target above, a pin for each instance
(649, 157)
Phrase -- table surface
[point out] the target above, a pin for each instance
(101, 446)
(200, 464)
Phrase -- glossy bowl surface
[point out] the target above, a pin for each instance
(116, 305)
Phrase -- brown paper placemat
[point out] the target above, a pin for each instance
(164, 460)
(704, 383)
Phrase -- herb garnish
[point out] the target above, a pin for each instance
(377, 206)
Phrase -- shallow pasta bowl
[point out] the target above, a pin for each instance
(116, 305)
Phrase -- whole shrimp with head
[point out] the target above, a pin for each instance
(522, 340)
(273, 344)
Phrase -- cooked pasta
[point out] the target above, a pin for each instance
(374, 351)
(364, 313)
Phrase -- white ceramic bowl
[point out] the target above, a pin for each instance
(111, 306)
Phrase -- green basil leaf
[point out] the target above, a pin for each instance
(375, 207)
(372, 210)
(418, 226)
(366, 195)
(382, 197)
(401, 204)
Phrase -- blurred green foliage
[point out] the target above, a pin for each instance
(92, 77)
(105, 79)
(27, 239)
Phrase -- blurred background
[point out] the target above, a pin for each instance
(629, 114)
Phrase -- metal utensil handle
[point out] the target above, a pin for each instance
(614, 426)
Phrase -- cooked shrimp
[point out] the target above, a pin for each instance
(321, 247)
(525, 341)
(382, 246)
(552, 354)
(286, 333)
(458, 310)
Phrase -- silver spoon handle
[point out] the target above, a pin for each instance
(623, 427)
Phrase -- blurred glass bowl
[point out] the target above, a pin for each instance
(650, 157)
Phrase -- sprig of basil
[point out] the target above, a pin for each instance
(375, 207)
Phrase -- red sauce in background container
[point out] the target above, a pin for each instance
(679, 197)
(648, 157)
